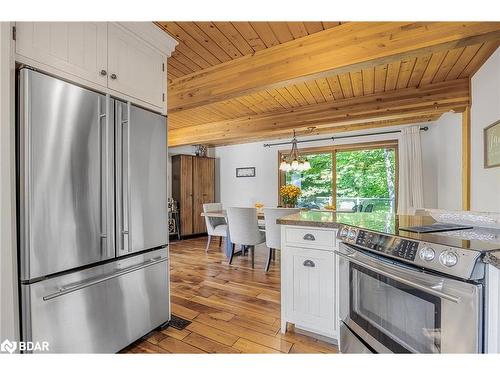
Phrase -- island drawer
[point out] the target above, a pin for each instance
(310, 237)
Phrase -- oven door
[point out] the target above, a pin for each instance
(396, 308)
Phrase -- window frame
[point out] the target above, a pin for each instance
(390, 144)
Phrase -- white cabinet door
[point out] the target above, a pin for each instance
(78, 48)
(135, 68)
(310, 294)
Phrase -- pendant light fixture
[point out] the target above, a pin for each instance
(293, 161)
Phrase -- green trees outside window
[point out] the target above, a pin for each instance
(316, 183)
(364, 177)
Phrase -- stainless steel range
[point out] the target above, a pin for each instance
(403, 294)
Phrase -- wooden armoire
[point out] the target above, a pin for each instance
(193, 183)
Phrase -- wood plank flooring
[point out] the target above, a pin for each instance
(233, 309)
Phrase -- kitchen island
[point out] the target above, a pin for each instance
(310, 264)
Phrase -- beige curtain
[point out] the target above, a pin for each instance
(410, 193)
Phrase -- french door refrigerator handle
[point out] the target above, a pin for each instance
(103, 173)
(129, 206)
(413, 284)
(123, 177)
(70, 289)
(118, 178)
(109, 181)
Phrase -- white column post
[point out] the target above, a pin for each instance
(9, 309)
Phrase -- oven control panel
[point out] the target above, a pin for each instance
(445, 259)
(390, 245)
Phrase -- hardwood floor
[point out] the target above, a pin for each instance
(233, 309)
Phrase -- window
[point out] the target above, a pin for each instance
(316, 183)
(358, 176)
(366, 179)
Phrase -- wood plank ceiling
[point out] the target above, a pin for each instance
(204, 46)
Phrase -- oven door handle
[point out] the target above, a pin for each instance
(413, 284)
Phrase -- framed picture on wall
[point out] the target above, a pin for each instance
(492, 145)
(245, 172)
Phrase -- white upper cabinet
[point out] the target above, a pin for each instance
(77, 48)
(135, 68)
(126, 60)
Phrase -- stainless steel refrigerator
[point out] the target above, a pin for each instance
(92, 211)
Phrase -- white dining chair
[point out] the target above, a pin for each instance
(273, 230)
(244, 230)
(216, 226)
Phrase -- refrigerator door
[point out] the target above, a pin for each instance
(66, 137)
(100, 309)
(141, 179)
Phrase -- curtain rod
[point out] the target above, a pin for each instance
(424, 128)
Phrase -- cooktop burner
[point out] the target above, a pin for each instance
(436, 227)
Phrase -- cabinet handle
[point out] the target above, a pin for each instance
(103, 72)
(113, 76)
(309, 237)
(308, 263)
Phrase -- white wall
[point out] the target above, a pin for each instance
(9, 320)
(485, 182)
(442, 163)
(232, 191)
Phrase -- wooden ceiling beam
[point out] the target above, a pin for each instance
(336, 129)
(390, 107)
(345, 124)
(350, 46)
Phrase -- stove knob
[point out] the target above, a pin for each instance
(352, 234)
(343, 232)
(448, 258)
(427, 253)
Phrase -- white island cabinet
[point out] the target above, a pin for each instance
(308, 280)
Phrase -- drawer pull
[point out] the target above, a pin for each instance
(309, 237)
(308, 263)
(70, 289)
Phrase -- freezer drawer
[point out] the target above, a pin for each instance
(100, 310)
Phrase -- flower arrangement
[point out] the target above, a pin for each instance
(290, 194)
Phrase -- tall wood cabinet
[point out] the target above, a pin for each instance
(193, 184)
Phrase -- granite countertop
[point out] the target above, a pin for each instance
(323, 219)
(479, 239)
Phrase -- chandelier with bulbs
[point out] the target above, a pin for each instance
(293, 161)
